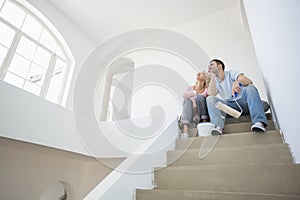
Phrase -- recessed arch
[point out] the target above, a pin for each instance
(58, 190)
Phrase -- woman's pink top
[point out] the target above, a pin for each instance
(191, 93)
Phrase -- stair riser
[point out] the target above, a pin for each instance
(270, 179)
(245, 127)
(269, 137)
(277, 154)
(243, 118)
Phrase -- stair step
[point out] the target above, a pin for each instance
(243, 118)
(244, 127)
(229, 140)
(248, 154)
(271, 179)
(235, 128)
(205, 195)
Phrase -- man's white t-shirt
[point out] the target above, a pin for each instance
(224, 87)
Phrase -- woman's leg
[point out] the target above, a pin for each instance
(187, 114)
(185, 128)
(202, 108)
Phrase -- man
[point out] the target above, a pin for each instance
(229, 85)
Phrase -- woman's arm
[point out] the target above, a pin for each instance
(190, 92)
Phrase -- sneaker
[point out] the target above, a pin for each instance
(216, 131)
(258, 127)
(184, 135)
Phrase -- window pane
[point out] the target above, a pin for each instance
(32, 27)
(48, 41)
(14, 80)
(19, 66)
(53, 97)
(60, 67)
(42, 57)
(6, 35)
(26, 48)
(3, 52)
(56, 81)
(36, 75)
(33, 88)
(13, 14)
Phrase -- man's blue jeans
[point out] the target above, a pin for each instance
(250, 103)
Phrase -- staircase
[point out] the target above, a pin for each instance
(242, 165)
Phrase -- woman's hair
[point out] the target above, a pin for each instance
(206, 77)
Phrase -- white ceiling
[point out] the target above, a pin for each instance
(100, 19)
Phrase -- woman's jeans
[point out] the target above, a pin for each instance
(188, 111)
(250, 103)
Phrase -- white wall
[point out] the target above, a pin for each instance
(156, 94)
(29, 118)
(275, 29)
(32, 119)
(223, 35)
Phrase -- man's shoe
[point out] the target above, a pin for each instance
(216, 131)
(184, 135)
(258, 127)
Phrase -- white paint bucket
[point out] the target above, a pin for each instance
(204, 128)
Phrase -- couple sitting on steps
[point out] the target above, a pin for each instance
(200, 99)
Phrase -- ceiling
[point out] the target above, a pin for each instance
(100, 19)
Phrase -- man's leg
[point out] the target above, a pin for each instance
(215, 114)
(257, 113)
(256, 109)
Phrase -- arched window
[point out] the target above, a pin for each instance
(32, 56)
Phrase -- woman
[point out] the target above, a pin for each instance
(194, 105)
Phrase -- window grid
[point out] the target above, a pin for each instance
(56, 52)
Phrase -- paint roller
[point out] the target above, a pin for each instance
(232, 112)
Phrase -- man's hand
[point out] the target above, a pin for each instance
(212, 89)
(236, 88)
